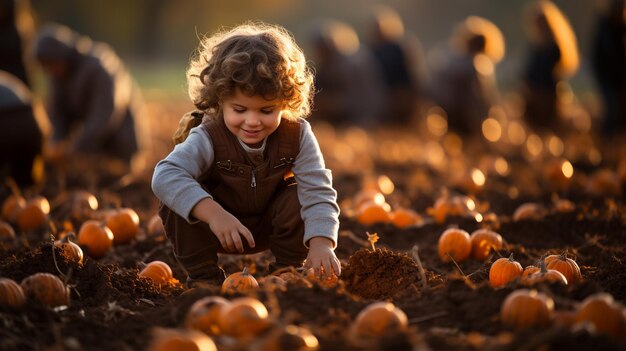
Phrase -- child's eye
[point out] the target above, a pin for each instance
(267, 112)
(239, 110)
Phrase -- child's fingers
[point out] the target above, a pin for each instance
(225, 241)
(336, 266)
(248, 235)
(237, 243)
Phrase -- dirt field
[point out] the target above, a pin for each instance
(455, 308)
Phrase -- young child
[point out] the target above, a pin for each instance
(247, 173)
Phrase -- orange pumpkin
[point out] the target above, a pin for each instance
(204, 314)
(404, 218)
(503, 271)
(529, 270)
(83, 203)
(243, 317)
(239, 282)
(155, 226)
(376, 320)
(290, 338)
(525, 308)
(565, 265)
(11, 293)
(165, 339)
(7, 233)
(96, 237)
(124, 224)
(69, 249)
(11, 206)
(157, 271)
(528, 211)
(604, 313)
(371, 213)
(34, 214)
(47, 289)
(454, 243)
(483, 241)
(544, 275)
(273, 282)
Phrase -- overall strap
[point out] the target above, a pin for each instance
(224, 145)
(288, 143)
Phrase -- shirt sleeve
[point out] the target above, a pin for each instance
(175, 178)
(316, 194)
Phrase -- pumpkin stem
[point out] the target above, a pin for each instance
(511, 257)
(542, 265)
(245, 271)
(563, 256)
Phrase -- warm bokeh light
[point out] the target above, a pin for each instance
(478, 177)
(434, 154)
(534, 146)
(436, 122)
(513, 192)
(385, 184)
(555, 145)
(501, 166)
(492, 129)
(595, 157)
(516, 133)
(567, 169)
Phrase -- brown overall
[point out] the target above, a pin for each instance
(261, 197)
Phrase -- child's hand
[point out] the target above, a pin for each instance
(226, 227)
(321, 254)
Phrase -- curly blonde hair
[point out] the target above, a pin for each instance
(257, 58)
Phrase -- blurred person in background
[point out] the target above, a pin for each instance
(399, 58)
(463, 81)
(93, 103)
(608, 59)
(348, 81)
(552, 58)
(16, 30)
(21, 136)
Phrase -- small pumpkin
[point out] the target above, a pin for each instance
(124, 224)
(404, 218)
(244, 316)
(239, 282)
(290, 338)
(70, 250)
(83, 203)
(158, 272)
(11, 293)
(47, 289)
(604, 313)
(34, 214)
(528, 211)
(530, 269)
(204, 314)
(544, 275)
(96, 237)
(483, 241)
(7, 233)
(454, 243)
(565, 265)
(524, 308)
(11, 206)
(378, 319)
(166, 339)
(155, 227)
(371, 213)
(504, 270)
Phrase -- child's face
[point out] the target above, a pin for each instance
(251, 118)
